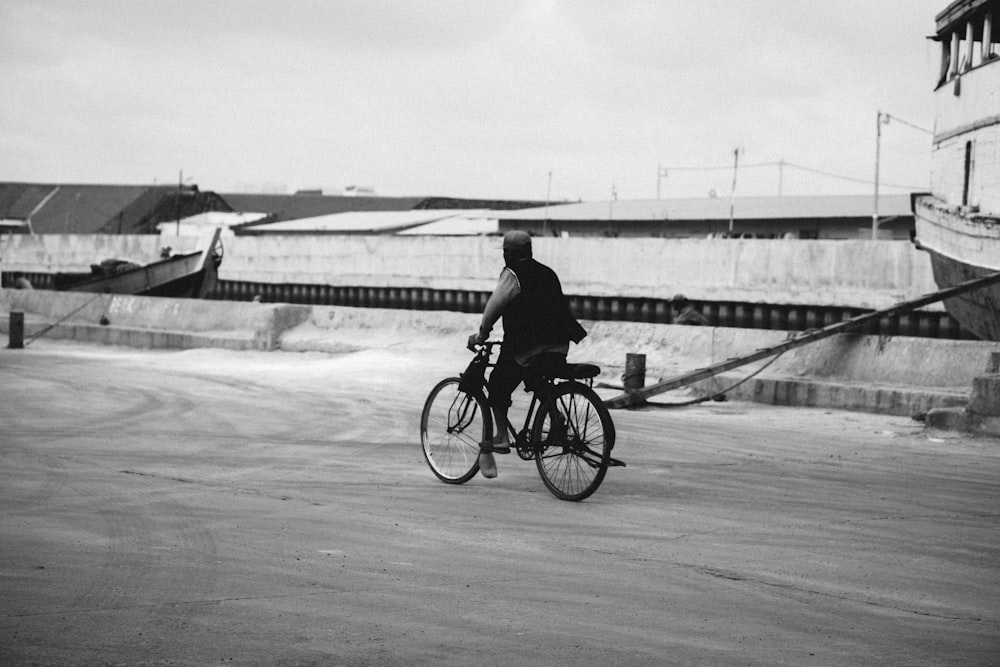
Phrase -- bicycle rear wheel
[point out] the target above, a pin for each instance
(574, 445)
(452, 425)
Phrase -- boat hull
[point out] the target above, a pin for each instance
(192, 275)
(962, 247)
(979, 310)
(183, 276)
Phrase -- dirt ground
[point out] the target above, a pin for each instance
(206, 507)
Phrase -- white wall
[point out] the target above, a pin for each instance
(869, 274)
(52, 253)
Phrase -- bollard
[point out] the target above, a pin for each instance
(635, 372)
(993, 364)
(16, 330)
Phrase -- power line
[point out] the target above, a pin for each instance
(852, 180)
(907, 123)
(794, 165)
(726, 168)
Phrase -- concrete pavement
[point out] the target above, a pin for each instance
(212, 506)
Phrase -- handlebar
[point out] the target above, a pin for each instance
(484, 347)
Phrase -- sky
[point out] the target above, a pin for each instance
(559, 100)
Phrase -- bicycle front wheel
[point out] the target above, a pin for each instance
(452, 425)
(572, 446)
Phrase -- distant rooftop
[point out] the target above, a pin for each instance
(308, 205)
(378, 222)
(298, 206)
(709, 208)
(137, 209)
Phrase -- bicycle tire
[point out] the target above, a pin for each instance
(573, 461)
(452, 425)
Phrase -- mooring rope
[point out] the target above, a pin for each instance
(60, 321)
(719, 394)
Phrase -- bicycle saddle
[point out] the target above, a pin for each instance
(580, 371)
(556, 366)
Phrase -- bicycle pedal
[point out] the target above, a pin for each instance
(615, 463)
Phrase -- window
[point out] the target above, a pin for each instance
(968, 173)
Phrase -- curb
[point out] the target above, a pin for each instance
(135, 337)
(960, 419)
(842, 395)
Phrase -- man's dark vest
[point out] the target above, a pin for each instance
(539, 315)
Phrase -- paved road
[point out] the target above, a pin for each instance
(203, 507)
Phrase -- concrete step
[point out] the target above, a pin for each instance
(982, 414)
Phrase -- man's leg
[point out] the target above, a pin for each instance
(506, 375)
(502, 425)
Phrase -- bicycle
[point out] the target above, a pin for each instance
(567, 429)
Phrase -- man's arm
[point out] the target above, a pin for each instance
(507, 288)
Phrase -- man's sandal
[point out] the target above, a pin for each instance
(495, 445)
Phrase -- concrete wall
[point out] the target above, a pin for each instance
(669, 349)
(152, 321)
(899, 375)
(862, 274)
(878, 374)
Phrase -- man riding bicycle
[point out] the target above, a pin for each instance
(536, 321)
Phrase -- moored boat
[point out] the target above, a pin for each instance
(958, 222)
(190, 275)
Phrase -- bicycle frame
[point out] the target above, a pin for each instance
(566, 429)
(542, 394)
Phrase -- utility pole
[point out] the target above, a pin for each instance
(732, 191)
(883, 119)
(661, 173)
(878, 156)
(180, 186)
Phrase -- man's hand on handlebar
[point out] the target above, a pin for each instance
(474, 340)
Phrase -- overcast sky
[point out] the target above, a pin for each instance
(469, 98)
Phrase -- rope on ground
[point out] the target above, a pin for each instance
(720, 395)
(60, 321)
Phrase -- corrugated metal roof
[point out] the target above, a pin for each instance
(214, 218)
(120, 208)
(294, 207)
(209, 219)
(460, 225)
(359, 222)
(18, 200)
(745, 208)
(77, 209)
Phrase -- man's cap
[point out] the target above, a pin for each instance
(516, 240)
(679, 298)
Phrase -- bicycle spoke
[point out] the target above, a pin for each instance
(567, 473)
(464, 409)
(575, 442)
(452, 425)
